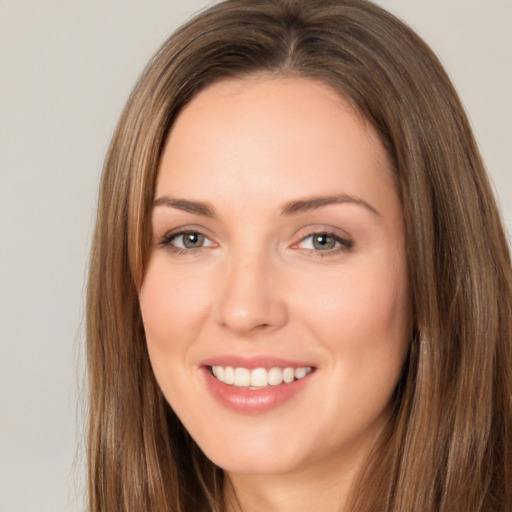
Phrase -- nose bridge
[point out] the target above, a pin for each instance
(250, 298)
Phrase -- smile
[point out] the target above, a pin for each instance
(258, 378)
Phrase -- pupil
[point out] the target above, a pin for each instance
(323, 242)
(193, 240)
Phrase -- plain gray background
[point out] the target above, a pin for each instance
(67, 68)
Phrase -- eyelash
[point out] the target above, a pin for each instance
(168, 239)
(343, 244)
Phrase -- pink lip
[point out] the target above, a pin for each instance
(253, 362)
(253, 401)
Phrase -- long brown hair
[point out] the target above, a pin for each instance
(448, 446)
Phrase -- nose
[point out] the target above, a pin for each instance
(250, 297)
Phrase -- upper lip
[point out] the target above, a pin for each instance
(251, 362)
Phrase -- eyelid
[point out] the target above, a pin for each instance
(344, 240)
(206, 241)
(168, 237)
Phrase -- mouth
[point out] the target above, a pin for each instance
(255, 385)
(258, 378)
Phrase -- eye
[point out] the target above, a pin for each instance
(324, 242)
(186, 240)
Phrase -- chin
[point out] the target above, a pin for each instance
(260, 456)
(253, 463)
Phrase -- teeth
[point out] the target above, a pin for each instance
(242, 377)
(301, 372)
(229, 375)
(275, 376)
(259, 377)
(288, 375)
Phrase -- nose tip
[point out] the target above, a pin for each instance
(251, 300)
(242, 320)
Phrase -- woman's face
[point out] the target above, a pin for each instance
(278, 264)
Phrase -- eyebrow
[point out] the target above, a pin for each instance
(313, 203)
(196, 207)
(291, 208)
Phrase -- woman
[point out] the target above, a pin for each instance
(300, 289)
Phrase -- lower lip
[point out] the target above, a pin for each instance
(253, 401)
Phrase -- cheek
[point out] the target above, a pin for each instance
(364, 324)
(168, 307)
(172, 304)
(361, 318)
(356, 301)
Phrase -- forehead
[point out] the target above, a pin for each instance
(274, 137)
